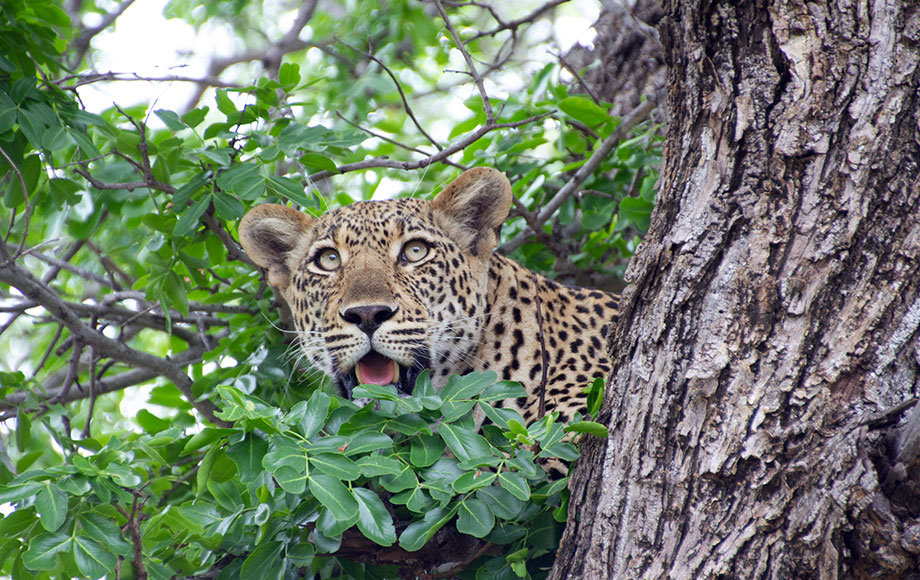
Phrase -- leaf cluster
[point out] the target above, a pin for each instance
(274, 495)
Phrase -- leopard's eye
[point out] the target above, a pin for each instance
(328, 260)
(414, 251)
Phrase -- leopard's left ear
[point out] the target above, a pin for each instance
(478, 201)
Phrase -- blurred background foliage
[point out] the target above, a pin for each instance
(126, 304)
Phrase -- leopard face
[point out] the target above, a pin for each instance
(382, 290)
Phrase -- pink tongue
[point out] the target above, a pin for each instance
(376, 369)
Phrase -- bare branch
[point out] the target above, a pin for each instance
(581, 82)
(62, 265)
(515, 24)
(437, 157)
(486, 103)
(36, 291)
(111, 76)
(393, 141)
(638, 115)
(28, 214)
(402, 95)
(271, 56)
(81, 44)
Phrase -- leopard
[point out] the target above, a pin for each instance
(382, 290)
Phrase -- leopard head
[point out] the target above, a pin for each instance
(381, 290)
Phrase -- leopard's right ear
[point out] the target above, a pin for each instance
(273, 236)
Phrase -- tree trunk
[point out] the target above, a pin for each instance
(769, 353)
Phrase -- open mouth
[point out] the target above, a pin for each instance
(377, 369)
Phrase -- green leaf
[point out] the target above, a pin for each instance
(501, 417)
(105, 531)
(264, 562)
(227, 207)
(638, 211)
(291, 480)
(515, 483)
(582, 109)
(317, 161)
(51, 503)
(247, 454)
(189, 220)
(337, 466)
(23, 431)
(226, 106)
(316, 412)
(474, 518)
(329, 526)
(405, 479)
(289, 76)
(503, 390)
(204, 470)
(194, 117)
(150, 422)
(376, 465)
(290, 189)
(92, 559)
(243, 179)
(170, 119)
(424, 391)
(596, 396)
(425, 450)
(472, 480)
(457, 395)
(415, 499)
(43, 550)
(367, 442)
(418, 533)
(14, 493)
(204, 437)
(374, 520)
(334, 496)
(501, 502)
(591, 427)
(286, 452)
(465, 443)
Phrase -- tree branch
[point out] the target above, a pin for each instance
(439, 156)
(486, 103)
(34, 290)
(82, 41)
(402, 95)
(515, 24)
(638, 115)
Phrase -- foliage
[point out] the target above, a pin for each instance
(142, 376)
(279, 489)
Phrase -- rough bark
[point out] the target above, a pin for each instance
(768, 354)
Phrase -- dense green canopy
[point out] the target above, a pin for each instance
(156, 420)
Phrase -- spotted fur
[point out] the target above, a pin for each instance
(356, 286)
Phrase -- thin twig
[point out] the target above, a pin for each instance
(439, 156)
(638, 115)
(486, 103)
(581, 82)
(402, 95)
(515, 24)
(134, 526)
(34, 290)
(393, 141)
(82, 42)
(92, 390)
(28, 212)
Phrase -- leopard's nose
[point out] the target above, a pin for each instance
(368, 318)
